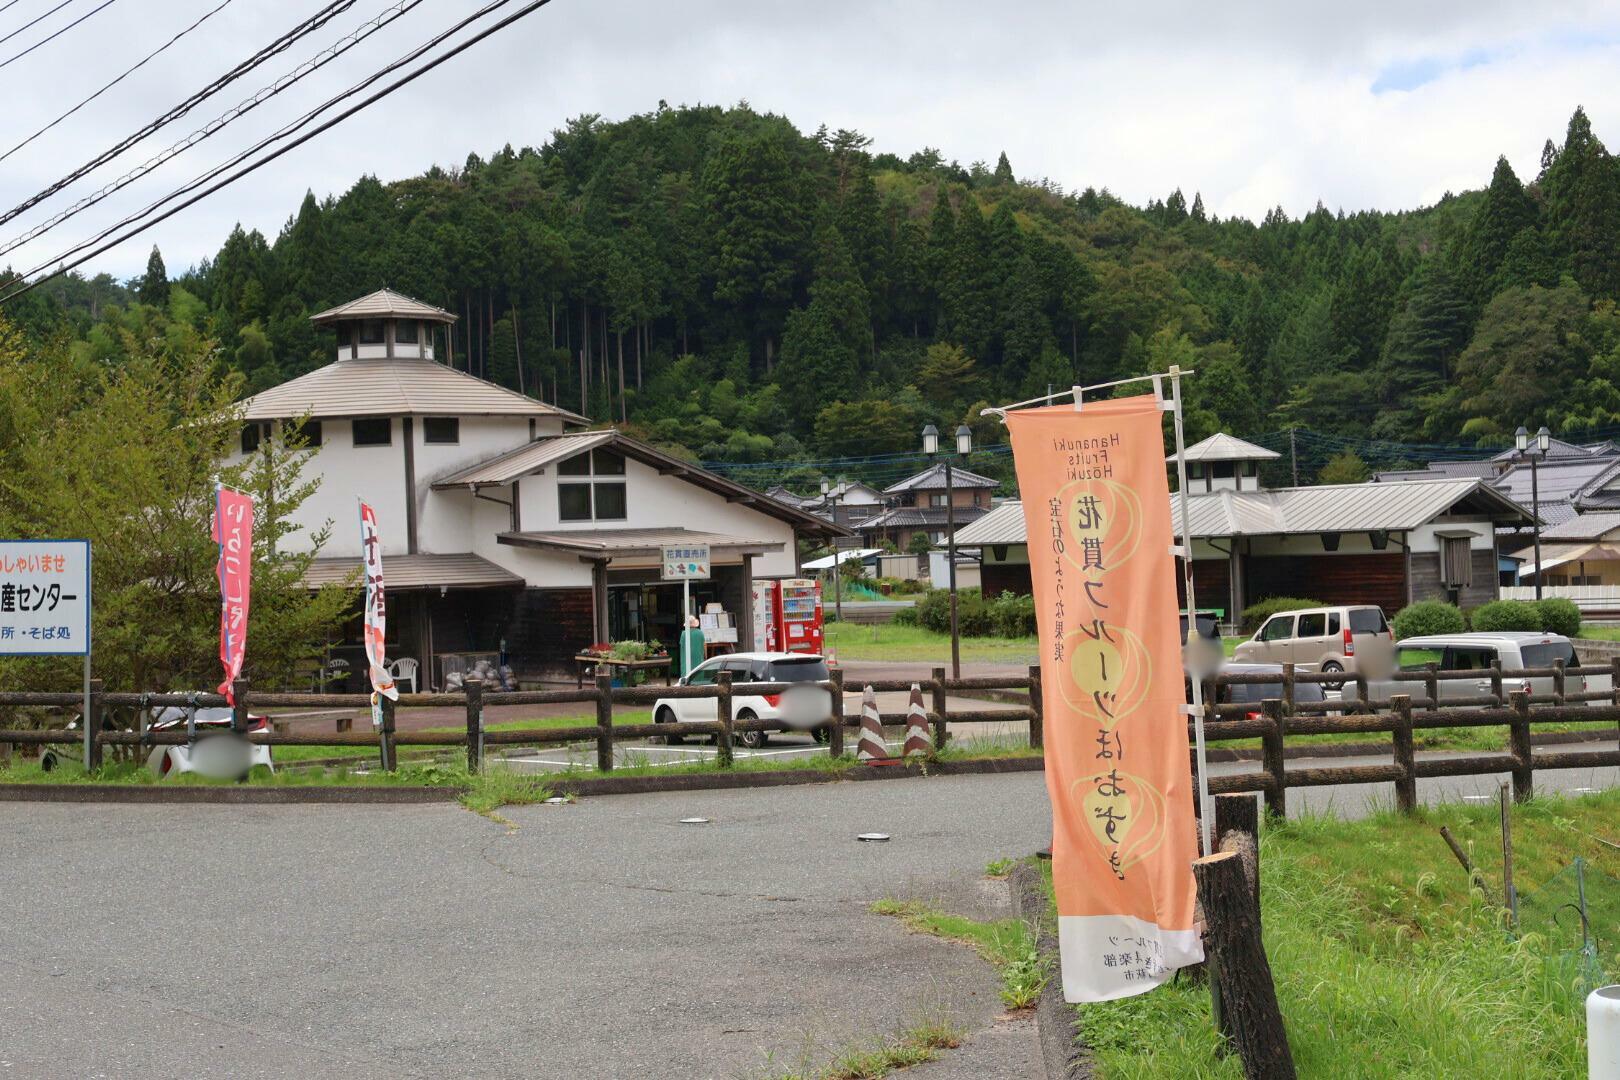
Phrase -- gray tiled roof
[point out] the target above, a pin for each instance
(903, 516)
(392, 387)
(1223, 447)
(1583, 527)
(405, 572)
(933, 479)
(383, 304)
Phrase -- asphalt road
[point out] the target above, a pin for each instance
(598, 939)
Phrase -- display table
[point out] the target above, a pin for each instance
(589, 665)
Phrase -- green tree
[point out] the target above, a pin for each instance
(1506, 211)
(1004, 173)
(1583, 208)
(1345, 467)
(153, 287)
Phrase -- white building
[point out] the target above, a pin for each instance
(505, 526)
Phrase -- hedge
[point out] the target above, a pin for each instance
(1428, 617)
(1255, 614)
(1559, 616)
(1500, 616)
(1008, 615)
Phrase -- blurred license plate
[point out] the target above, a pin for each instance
(805, 705)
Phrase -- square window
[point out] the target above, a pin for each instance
(578, 465)
(441, 429)
(405, 332)
(574, 502)
(310, 432)
(608, 463)
(371, 332)
(373, 431)
(610, 502)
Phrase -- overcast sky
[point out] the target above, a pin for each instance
(1375, 104)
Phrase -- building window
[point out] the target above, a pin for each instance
(251, 437)
(309, 432)
(588, 501)
(371, 332)
(978, 497)
(1456, 562)
(441, 429)
(405, 332)
(936, 500)
(1223, 470)
(373, 431)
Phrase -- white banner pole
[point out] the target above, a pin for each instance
(1206, 804)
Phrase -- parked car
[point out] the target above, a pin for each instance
(1518, 651)
(221, 757)
(1327, 639)
(800, 707)
(1252, 694)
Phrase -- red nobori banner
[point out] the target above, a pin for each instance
(376, 605)
(1097, 508)
(233, 532)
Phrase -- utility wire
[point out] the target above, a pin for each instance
(52, 37)
(307, 68)
(275, 48)
(8, 4)
(527, 9)
(120, 78)
(26, 25)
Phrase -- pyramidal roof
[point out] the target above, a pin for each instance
(383, 304)
(1223, 447)
(397, 386)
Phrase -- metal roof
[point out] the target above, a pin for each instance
(393, 387)
(1326, 508)
(630, 542)
(934, 477)
(1436, 469)
(406, 572)
(504, 468)
(1002, 525)
(525, 459)
(1558, 448)
(1583, 527)
(383, 304)
(1223, 447)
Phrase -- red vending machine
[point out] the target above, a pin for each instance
(798, 615)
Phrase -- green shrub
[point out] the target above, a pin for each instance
(1559, 616)
(1500, 616)
(973, 618)
(1428, 617)
(907, 617)
(1255, 614)
(1013, 615)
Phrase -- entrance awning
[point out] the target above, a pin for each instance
(406, 572)
(634, 543)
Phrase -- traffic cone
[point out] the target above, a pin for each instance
(870, 747)
(916, 726)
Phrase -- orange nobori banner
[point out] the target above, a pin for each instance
(1097, 506)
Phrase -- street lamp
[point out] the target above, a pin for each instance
(830, 494)
(1521, 443)
(964, 447)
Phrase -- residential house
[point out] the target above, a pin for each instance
(507, 529)
(1372, 543)
(916, 506)
(847, 503)
(1580, 561)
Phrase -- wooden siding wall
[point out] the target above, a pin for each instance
(997, 578)
(1212, 585)
(1426, 580)
(1377, 578)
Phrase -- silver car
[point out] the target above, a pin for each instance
(1518, 651)
(1326, 639)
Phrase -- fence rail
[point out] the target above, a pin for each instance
(1275, 719)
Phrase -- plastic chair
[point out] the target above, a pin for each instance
(403, 670)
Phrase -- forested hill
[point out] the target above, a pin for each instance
(745, 291)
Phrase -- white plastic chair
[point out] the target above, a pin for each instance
(404, 669)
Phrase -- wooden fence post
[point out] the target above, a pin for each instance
(1361, 692)
(1405, 754)
(1524, 787)
(475, 725)
(604, 722)
(835, 727)
(1289, 704)
(385, 737)
(1614, 681)
(941, 733)
(1431, 685)
(1237, 829)
(1496, 683)
(1559, 681)
(1271, 752)
(1249, 1011)
(92, 727)
(722, 742)
(239, 711)
(1037, 710)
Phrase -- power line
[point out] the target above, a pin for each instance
(275, 48)
(120, 78)
(47, 40)
(265, 93)
(38, 19)
(456, 50)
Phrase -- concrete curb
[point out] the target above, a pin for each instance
(1057, 1024)
(608, 785)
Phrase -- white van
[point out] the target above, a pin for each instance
(1518, 651)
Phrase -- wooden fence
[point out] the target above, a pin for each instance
(1272, 721)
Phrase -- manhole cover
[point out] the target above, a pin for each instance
(873, 837)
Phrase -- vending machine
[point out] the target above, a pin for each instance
(798, 615)
(763, 605)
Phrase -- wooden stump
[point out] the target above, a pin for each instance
(1250, 1015)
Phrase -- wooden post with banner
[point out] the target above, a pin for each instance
(1103, 547)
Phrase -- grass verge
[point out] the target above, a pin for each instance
(913, 644)
(1008, 945)
(1387, 963)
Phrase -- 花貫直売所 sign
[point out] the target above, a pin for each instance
(44, 597)
(689, 561)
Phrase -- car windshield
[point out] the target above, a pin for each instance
(1367, 621)
(1254, 693)
(1543, 656)
(810, 669)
